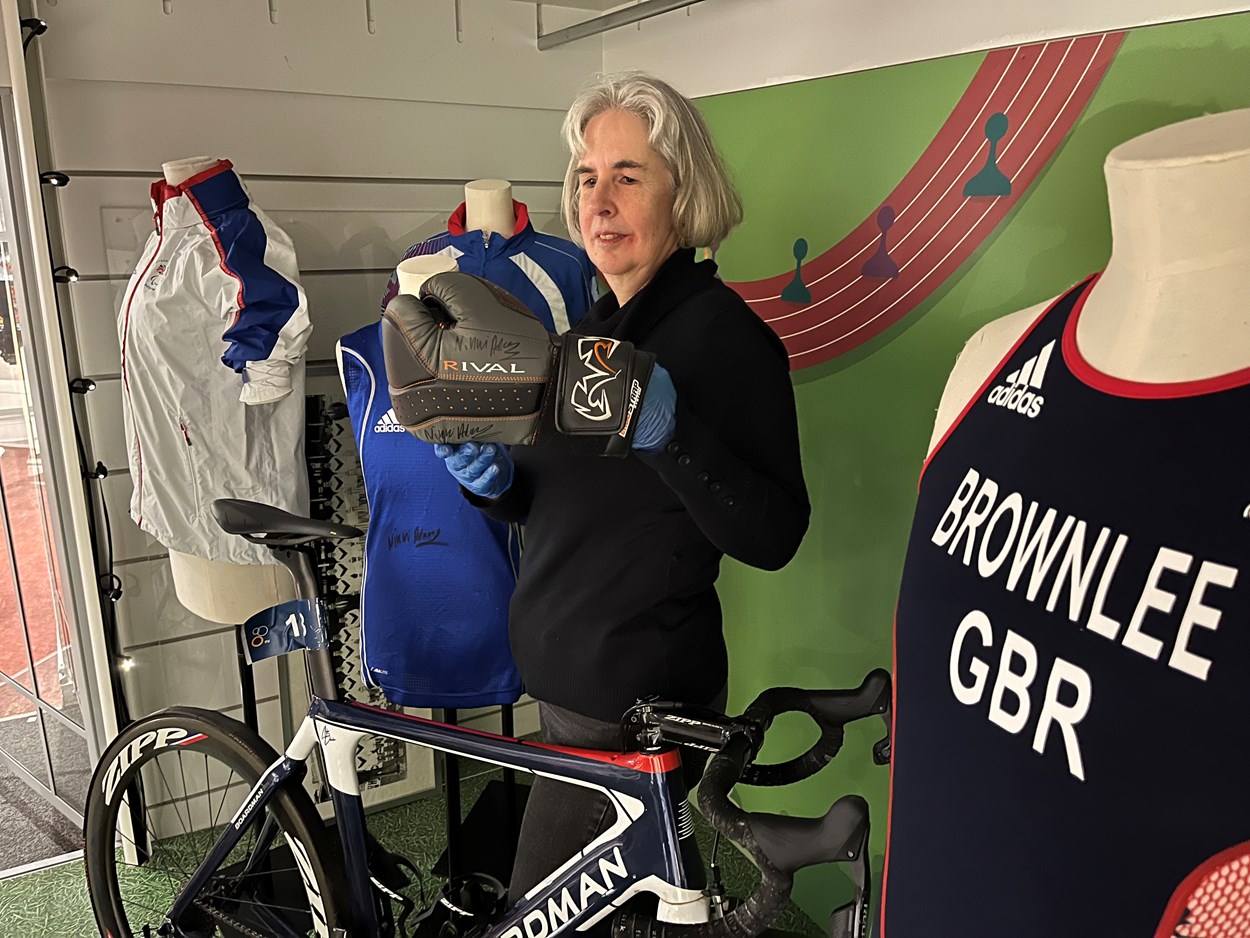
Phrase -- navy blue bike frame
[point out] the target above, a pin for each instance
(652, 836)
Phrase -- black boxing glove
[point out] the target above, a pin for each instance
(466, 360)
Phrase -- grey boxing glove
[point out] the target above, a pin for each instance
(466, 361)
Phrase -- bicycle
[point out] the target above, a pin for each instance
(226, 873)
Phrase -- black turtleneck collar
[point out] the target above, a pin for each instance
(678, 278)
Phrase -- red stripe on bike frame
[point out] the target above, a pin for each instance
(656, 764)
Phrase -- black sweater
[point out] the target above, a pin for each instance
(615, 598)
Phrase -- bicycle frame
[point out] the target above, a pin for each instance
(649, 847)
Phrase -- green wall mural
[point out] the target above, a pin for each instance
(957, 193)
(818, 160)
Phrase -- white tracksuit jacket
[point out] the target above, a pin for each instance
(213, 328)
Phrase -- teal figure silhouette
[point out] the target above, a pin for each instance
(796, 291)
(881, 264)
(990, 180)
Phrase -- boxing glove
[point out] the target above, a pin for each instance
(466, 361)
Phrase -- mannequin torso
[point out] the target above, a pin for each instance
(445, 647)
(228, 593)
(1088, 502)
(490, 235)
(1170, 305)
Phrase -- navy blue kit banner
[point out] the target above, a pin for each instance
(282, 629)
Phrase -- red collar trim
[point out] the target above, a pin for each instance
(1146, 390)
(162, 190)
(455, 224)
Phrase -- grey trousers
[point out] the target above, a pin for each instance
(561, 818)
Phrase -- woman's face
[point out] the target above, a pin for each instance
(625, 202)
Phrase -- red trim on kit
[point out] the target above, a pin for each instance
(455, 223)
(162, 190)
(889, 808)
(657, 764)
(221, 167)
(1184, 892)
(994, 374)
(1144, 390)
(522, 217)
(157, 193)
(221, 251)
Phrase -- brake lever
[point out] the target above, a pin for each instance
(842, 707)
(882, 748)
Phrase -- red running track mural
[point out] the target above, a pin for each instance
(927, 227)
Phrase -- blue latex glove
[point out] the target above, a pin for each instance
(485, 470)
(658, 419)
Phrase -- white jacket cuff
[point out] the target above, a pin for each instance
(265, 382)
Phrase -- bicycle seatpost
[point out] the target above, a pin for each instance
(284, 534)
(319, 662)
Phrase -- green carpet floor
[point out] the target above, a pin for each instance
(53, 903)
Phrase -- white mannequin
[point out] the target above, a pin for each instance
(488, 207)
(1171, 304)
(410, 273)
(414, 271)
(222, 592)
(179, 171)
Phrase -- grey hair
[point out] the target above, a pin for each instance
(706, 206)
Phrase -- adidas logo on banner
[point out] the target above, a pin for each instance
(1020, 393)
(388, 423)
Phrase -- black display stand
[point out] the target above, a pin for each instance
(247, 684)
(485, 841)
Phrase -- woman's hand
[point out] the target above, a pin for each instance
(485, 470)
(658, 419)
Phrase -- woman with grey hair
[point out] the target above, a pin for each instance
(615, 599)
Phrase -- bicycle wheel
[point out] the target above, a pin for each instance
(159, 799)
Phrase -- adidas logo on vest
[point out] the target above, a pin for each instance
(1020, 391)
(388, 423)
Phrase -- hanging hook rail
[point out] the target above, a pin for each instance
(601, 24)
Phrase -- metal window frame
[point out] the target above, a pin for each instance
(44, 347)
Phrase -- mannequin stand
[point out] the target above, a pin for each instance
(473, 845)
(485, 841)
(247, 684)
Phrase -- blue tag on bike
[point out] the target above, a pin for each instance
(284, 628)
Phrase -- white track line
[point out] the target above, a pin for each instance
(1058, 114)
(937, 171)
(950, 221)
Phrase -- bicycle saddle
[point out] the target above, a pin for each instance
(264, 524)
